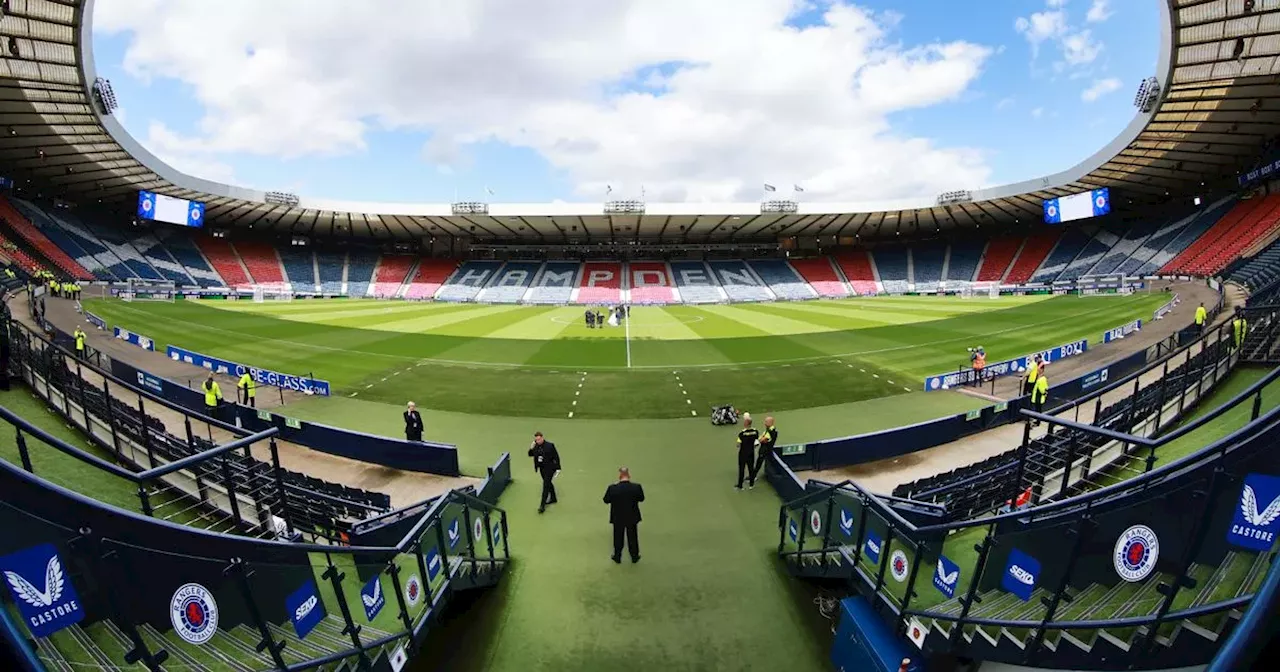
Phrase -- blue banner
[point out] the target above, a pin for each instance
(262, 376)
(136, 339)
(1122, 331)
(42, 589)
(1260, 173)
(95, 320)
(1005, 368)
(1095, 379)
(305, 609)
(1021, 572)
(1256, 520)
(150, 382)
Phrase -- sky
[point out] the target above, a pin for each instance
(529, 101)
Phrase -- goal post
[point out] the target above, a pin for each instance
(138, 289)
(980, 289)
(265, 293)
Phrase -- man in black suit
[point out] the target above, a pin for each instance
(624, 499)
(546, 461)
(412, 423)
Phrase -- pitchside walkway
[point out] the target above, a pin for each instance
(404, 487)
(884, 475)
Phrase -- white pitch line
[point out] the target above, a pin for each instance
(576, 393)
(695, 413)
(575, 402)
(688, 402)
(875, 375)
(626, 321)
(570, 414)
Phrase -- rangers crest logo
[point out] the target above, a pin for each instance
(413, 590)
(815, 522)
(1136, 553)
(898, 565)
(477, 529)
(194, 613)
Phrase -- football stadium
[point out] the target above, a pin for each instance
(1016, 427)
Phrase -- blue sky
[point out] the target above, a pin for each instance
(854, 101)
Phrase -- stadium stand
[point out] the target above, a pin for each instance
(555, 283)
(509, 284)
(184, 251)
(360, 265)
(224, 260)
(159, 258)
(392, 271)
(299, 268)
(1093, 252)
(997, 258)
(24, 261)
(1034, 251)
(262, 262)
(1248, 222)
(113, 238)
(601, 283)
(1128, 244)
(1171, 239)
(927, 262)
(894, 265)
(695, 282)
(83, 250)
(1261, 270)
(857, 268)
(782, 279)
(331, 267)
(430, 277)
(1070, 245)
(820, 275)
(962, 265)
(981, 488)
(739, 283)
(72, 229)
(41, 245)
(651, 283)
(468, 280)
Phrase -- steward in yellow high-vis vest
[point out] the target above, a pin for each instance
(1202, 316)
(248, 390)
(80, 336)
(1239, 329)
(212, 395)
(1040, 394)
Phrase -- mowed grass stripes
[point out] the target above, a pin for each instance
(543, 361)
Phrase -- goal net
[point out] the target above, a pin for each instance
(137, 289)
(264, 293)
(980, 289)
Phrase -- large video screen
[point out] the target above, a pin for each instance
(170, 210)
(1077, 206)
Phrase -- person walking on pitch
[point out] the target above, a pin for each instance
(546, 461)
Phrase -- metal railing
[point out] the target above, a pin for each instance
(827, 530)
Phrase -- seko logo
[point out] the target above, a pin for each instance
(304, 608)
(1020, 574)
(872, 548)
(1256, 520)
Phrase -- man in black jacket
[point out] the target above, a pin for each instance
(412, 423)
(546, 461)
(624, 499)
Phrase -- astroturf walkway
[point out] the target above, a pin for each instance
(708, 593)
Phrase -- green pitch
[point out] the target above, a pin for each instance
(673, 361)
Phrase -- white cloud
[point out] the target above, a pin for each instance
(1005, 103)
(1076, 46)
(1100, 88)
(731, 92)
(186, 155)
(1037, 113)
(1099, 11)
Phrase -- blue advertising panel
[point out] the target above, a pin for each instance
(262, 376)
(1257, 515)
(42, 590)
(372, 598)
(1021, 572)
(873, 547)
(1005, 368)
(1122, 331)
(304, 608)
(946, 576)
(135, 339)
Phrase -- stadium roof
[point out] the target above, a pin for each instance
(1218, 72)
